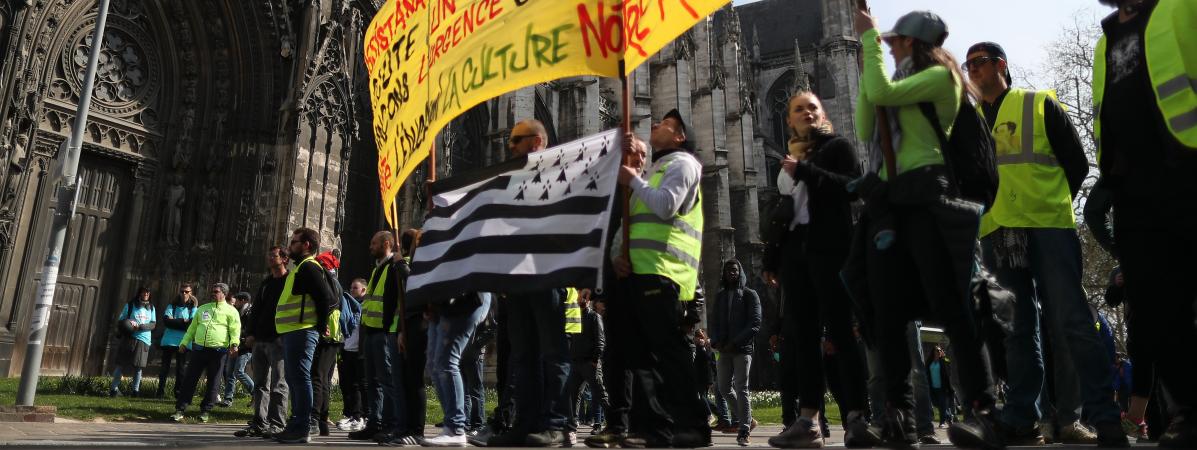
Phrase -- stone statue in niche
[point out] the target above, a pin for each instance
(175, 199)
(206, 225)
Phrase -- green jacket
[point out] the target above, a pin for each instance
(919, 144)
(215, 325)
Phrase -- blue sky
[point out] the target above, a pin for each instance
(1023, 27)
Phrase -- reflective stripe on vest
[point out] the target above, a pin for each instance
(671, 248)
(295, 312)
(372, 301)
(573, 312)
(1168, 42)
(1033, 190)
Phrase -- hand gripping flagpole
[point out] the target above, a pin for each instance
(68, 188)
(627, 132)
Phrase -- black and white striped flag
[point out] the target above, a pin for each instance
(531, 223)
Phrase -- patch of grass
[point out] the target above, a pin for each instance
(86, 398)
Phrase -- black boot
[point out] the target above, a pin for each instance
(979, 430)
(899, 430)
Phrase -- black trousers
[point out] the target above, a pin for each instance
(202, 360)
(583, 373)
(816, 301)
(665, 395)
(1158, 267)
(352, 371)
(415, 355)
(171, 354)
(618, 324)
(503, 417)
(788, 377)
(323, 363)
(916, 270)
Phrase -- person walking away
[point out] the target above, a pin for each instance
(1146, 130)
(1030, 243)
(413, 348)
(176, 317)
(473, 361)
(920, 263)
(805, 258)
(661, 274)
(586, 371)
(271, 394)
(352, 370)
(300, 318)
(213, 334)
(234, 367)
(452, 325)
(327, 349)
(735, 321)
(135, 324)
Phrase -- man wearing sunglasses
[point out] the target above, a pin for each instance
(1030, 242)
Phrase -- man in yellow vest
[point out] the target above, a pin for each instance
(1030, 242)
(300, 318)
(536, 326)
(661, 273)
(380, 343)
(1145, 97)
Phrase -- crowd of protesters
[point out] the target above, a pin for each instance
(864, 253)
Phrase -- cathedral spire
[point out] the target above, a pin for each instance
(801, 81)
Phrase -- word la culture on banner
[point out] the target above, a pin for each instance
(431, 60)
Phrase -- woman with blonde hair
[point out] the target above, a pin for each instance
(808, 245)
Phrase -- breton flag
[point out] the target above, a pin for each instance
(531, 223)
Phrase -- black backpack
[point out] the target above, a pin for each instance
(969, 154)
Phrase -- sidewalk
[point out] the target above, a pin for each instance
(93, 435)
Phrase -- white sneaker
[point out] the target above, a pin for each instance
(446, 440)
(358, 425)
(571, 438)
(343, 424)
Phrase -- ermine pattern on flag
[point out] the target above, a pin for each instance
(530, 223)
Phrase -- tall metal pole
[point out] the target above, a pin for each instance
(68, 189)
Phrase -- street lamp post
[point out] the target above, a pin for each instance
(68, 189)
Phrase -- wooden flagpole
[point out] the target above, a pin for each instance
(626, 95)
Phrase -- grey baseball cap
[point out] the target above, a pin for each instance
(925, 26)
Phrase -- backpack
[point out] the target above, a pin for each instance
(969, 153)
(351, 314)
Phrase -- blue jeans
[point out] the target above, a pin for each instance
(540, 361)
(299, 347)
(447, 339)
(1052, 281)
(384, 373)
(116, 379)
(234, 370)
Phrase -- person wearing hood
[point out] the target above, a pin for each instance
(735, 321)
(808, 244)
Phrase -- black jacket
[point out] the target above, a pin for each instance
(832, 165)
(589, 345)
(261, 317)
(736, 316)
(945, 380)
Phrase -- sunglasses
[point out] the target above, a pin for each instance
(517, 138)
(974, 63)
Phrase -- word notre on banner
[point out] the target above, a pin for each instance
(431, 60)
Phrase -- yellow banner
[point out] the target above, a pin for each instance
(431, 60)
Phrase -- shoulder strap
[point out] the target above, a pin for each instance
(928, 110)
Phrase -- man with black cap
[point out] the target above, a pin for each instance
(660, 273)
(1030, 242)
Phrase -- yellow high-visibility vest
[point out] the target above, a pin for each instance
(670, 248)
(1169, 42)
(295, 312)
(573, 312)
(1032, 188)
